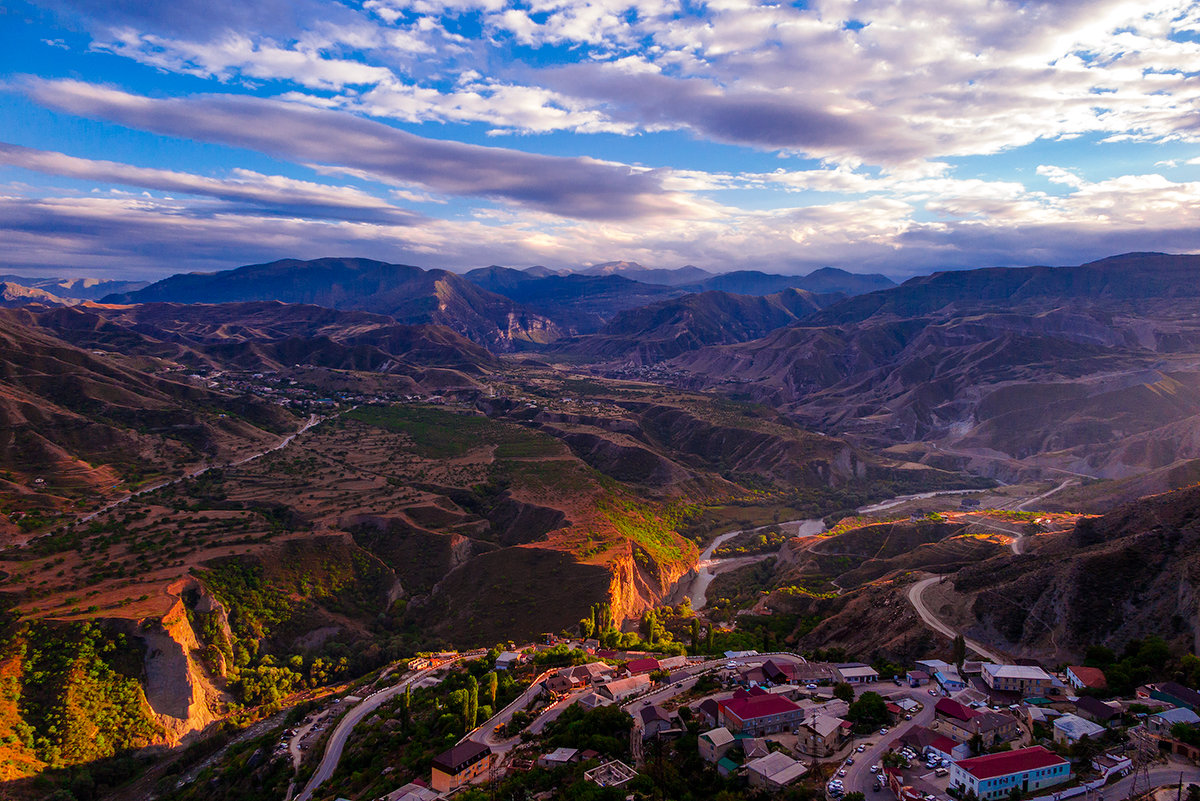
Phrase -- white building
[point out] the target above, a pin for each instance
(994, 776)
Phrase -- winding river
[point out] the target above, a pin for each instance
(693, 585)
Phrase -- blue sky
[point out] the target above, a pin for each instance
(140, 139)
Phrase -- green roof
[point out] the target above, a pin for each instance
(1038, 701)
(728, 764)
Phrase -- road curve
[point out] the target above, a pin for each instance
(345, 727)
(914, 597)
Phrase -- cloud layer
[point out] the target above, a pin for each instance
(907, 137)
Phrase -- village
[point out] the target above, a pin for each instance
(780, 724)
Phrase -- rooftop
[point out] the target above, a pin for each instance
(777, 767)
(1096, 708)
(1089, 676)
(953, 709)
(1075, 727)
(758, 706)
(1008, 762)
(1017, 672)
(719, 736)
(641, 665)
(460, 756)
(1179, 715)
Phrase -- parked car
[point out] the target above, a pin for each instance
(849, 760)
(810, 686)
(874, 768)
(861, 748)
(883, 730)
(933, 691)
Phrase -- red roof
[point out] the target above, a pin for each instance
(758, 706)
(1090, 676)
(953, 709)
(1007, 762)
(944, 744)
(641, 665)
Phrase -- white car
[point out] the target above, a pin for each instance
(874, 768)
(861, 748)
(810, 686)
(842, 772)
(883, 730)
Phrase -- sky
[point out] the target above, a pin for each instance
(140, 139)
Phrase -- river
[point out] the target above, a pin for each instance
(693, 585)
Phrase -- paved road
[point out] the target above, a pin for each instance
(485, 733)
(915, 598)
(858, 776)
(341, 733)
(1160, 776)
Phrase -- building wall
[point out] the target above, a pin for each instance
(1000, 786)
(444, 782)
(713, 753)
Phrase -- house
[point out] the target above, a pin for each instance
(758, 714)
(857, 674)
(994, 776)
(949, 680)
(932, 666)
(961, 723)
(971, 669)
(927, 741)
(558, 758)
(779, 672)
(621, 689)
(413, 791)
(917, 678)
(593, 672)
(593, 700)
(1096, 710)
(1175, 693)
(1086, 678)
(636, 667)
(560, 683)
(654, 721)
(1108, 764)
(774, 771)
(1024, 680)
(1162, 722)
(673, 663)
(1070, 729)
(507, 660)
(727, 767)
(710, 710)
(461, 765)
(753, 747)
(715, 744)
(821, 736)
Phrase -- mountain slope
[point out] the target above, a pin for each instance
(264, 335)
(668, 328)
(688, 274)
(824, 280)
(408, 294)
(76, 424)
(1092, 370)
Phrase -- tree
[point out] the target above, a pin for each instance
(695, 635)
(585, 628)
(976, 745)
(472, 702)
(870, 708)
(959, 650)
(855, 796)
(894, 759)
(708, 639)
(490, 682)
(1014, 794)
(843, 691)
